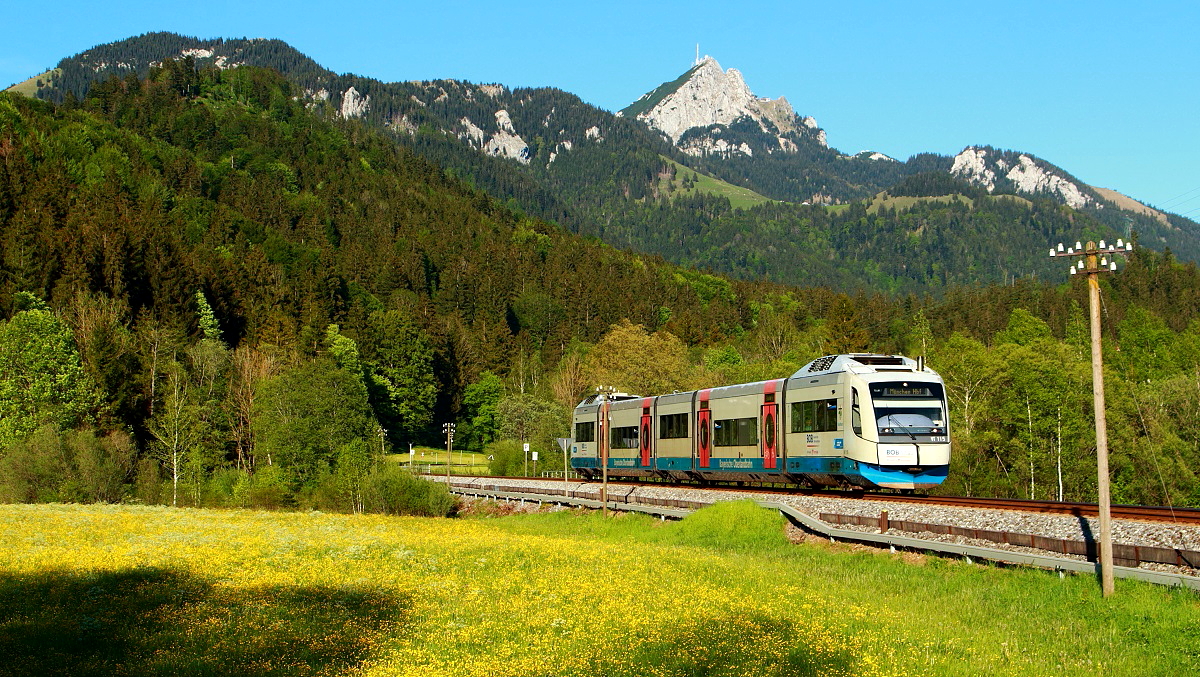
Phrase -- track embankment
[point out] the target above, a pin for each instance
(1144, 540)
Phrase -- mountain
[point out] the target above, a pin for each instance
(699, 171)
(712, 114)
(703, 102)
(1012, 172)
(121, 207)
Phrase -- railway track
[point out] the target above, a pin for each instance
(1126, 512)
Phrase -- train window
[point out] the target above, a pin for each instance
(856, 415)
(673, 426)
(735, 432)
(897, 419)
(814, 417)
(585, 432)
(625, 437)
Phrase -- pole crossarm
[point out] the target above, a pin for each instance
(1090, 251)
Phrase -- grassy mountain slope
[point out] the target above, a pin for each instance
(683, 181)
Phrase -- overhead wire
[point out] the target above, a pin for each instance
(1166, 204)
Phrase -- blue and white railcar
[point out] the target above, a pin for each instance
(864, 420)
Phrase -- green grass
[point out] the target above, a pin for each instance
(739, 197)
(91, 590)
(907, 202)
(965, 619)
(1014, 198)
(464, 460)
(162, 621)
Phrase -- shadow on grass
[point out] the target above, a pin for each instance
(732, 646)
(149, 621)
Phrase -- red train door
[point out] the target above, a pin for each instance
(704, 435)
(644, 436)
(770, 440)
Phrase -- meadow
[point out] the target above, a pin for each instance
(739, 197)
(110, 589)
(461, 462)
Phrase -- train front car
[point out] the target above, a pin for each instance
(868, 420)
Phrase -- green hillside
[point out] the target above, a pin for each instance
(885, 201)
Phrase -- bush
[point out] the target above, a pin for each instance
(33, 469)
(148, 486)
(102, 465)
(267, 488)
(392, 491)
(322, 492)
(731, 525)
(75, 467)
(506, 457)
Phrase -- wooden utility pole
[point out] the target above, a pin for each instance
(1096, 260)
(604, 406)
(448, 428)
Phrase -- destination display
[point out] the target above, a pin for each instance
(893, 391)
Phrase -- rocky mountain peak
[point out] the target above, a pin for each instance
(707, 95)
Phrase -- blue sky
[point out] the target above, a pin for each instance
(1110, 91)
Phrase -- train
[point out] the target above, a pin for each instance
(871, 421)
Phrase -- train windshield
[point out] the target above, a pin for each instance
(909, 408)
(898, 419)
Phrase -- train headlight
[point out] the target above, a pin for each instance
(887, 431)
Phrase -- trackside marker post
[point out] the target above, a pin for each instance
(565, 443)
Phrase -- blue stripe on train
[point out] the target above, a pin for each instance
(816, 465)
(881, 475)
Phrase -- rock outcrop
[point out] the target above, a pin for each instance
(354, 105)
(988, 168)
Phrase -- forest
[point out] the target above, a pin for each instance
(214, 294)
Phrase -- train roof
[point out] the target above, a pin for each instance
(856, 363)
(860, 363)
